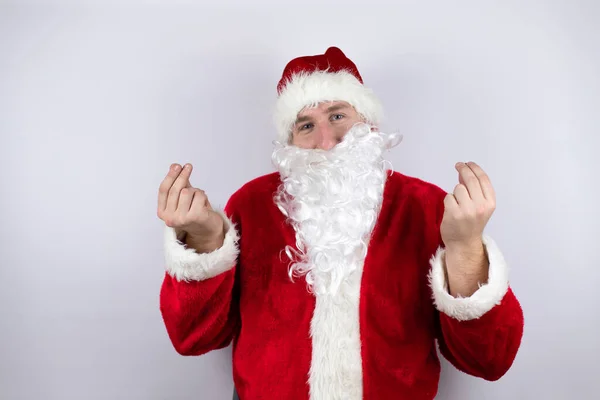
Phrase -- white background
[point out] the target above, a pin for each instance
(96, 101)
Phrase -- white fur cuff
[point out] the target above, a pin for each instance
(480, 302)
(186, 264)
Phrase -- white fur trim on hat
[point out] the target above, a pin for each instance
(309, 89)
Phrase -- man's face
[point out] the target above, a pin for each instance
(324, 126)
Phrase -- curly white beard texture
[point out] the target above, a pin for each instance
(332, 199)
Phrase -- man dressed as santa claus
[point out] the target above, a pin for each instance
(334, 277)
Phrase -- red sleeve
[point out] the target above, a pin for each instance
(198, 297)
(480, 334)
(486, 346)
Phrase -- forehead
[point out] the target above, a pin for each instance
(322, 108)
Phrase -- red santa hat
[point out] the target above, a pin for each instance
(309, 80)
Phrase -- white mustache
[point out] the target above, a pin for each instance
(289, 157)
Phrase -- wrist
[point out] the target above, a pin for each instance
(205, 243)
(472, 247)
(466, 267)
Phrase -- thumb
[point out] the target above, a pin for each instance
(460, 178)
(188, 184)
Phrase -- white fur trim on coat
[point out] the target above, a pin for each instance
(185, 264)
(336, 364)
(480, 302)
(305, 89)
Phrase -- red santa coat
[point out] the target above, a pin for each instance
(374, 341)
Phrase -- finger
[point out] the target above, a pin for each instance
(461, 194)
(181, 182)
(450, 203)
(185, 200)
(468, 179)
(165, 186)
(184, 178)
(199, 202)
(484, 181)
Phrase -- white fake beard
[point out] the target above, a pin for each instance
(332, 199)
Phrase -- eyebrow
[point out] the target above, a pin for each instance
(333, 108)
(302, 119)
(337, 107)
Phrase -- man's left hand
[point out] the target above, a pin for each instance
(467, 211)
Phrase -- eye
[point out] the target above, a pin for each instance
(306, 126)
(337, 116)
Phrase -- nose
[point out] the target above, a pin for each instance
(327, 137)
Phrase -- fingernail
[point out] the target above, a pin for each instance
(175, 167)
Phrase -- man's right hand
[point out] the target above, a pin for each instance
(188, 210)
